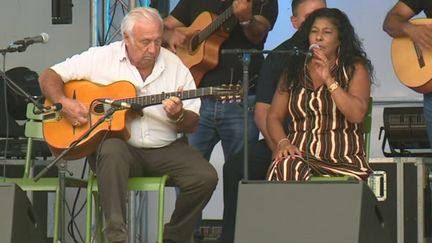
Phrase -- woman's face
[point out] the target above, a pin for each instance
(326, 35)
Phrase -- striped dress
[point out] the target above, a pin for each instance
(330, 144)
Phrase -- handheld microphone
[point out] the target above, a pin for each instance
(48, 109)
(310, 50)
(122, 104)
(42, 38)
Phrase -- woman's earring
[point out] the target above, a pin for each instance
(337, 56)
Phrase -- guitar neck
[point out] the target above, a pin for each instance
(215, 25)
(218, 22)
(149, 100)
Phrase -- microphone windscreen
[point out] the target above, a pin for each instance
(45, 37)
(312, 46)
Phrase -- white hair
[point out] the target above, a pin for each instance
(141, 14)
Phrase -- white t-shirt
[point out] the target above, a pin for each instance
(107, 64)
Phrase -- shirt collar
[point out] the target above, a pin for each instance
(158, 67)
(122, 56)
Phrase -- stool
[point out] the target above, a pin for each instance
(134, 184)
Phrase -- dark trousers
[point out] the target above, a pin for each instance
(259, 156)
(185, 166)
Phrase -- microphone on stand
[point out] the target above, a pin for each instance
(42, 38)
(122, 104)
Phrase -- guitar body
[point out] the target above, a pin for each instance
(205, 56)
(59, 133)
(412, 66)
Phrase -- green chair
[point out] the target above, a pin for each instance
(142, 184)
(33, 131)
(367, 127)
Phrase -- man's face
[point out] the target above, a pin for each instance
(143, 46)
(303, 11)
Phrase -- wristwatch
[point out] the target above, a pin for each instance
(247, 22)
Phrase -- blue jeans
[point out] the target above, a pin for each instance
(223, 122)
(427, 113)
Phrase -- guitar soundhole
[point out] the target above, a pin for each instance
(98, 108)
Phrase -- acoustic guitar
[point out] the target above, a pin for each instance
(60, 134)
(412, 66)
(204, 37)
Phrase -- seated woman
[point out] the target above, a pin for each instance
(326, 95)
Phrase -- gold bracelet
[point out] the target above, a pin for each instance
(332, 87)
(280, 142)
(180, 118)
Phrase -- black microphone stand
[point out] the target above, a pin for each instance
(107, 116)
(10, 48)
(7, 82)
(22, 92)
(14, 48)
(246, 58)
(42, 110)
(63, 168)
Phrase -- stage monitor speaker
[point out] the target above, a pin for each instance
(405, 130)
(309, 212)
(18, 221)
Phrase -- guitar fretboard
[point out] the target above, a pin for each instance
(158, 98)
(216, 24)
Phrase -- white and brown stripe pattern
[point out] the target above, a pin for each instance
(331, 144)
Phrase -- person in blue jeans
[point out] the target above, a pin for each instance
(260, 152)
(397, 24)
(247, 27)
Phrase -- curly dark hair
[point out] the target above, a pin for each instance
(351, 48)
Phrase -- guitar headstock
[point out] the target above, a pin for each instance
(228, 93)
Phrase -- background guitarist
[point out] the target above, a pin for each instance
(397, 24)
(247, 28)
(154, 148)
